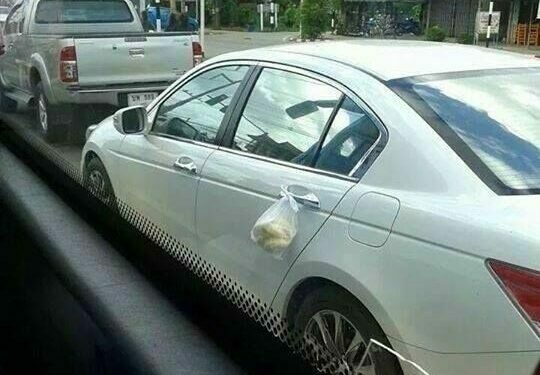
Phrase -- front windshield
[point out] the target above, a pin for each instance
(497, 116)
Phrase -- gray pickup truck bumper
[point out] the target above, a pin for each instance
(115, 95)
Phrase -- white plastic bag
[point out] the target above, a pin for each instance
(276, 228)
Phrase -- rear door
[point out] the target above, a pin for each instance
(160, 171)
(297, 131)
(132, 59)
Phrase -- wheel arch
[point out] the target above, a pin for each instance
(91, 154)
(310, 276)
(39, 70)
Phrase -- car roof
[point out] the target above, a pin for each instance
(391, 59)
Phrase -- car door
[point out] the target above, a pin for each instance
(295, 131)
(12, 37)
(160, 170)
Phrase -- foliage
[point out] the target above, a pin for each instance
(435, 34)
(465, 38)
(315, 18)
(229, 13)
(246, 16)
(291, 17)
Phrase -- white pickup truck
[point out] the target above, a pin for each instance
(61, 56)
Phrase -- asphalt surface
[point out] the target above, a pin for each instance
(217, 42)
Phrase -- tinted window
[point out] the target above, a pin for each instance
(497, 116)
(196, 110)
(349, 138)
(285, 116)
(80, 11)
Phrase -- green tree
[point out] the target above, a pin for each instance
(435, 34)
(246, 16)
(229, 13)
(315, 18)
(290, 17)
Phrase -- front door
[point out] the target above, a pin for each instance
(297, 132)
(160, 171)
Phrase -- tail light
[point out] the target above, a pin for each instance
(198, 54)
(68, 65)
(522, 286)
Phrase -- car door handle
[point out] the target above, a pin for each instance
(185, 163)
(302, 196)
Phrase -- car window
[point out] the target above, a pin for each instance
(13, 20)
(195, 111)
(79, 11)
(349, 138)
(285, 116)
(496, 117)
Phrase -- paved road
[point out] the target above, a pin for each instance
(217, 42)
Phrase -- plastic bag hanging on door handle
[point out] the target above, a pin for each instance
(276, 228)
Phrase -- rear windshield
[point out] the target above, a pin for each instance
(492, 119)
(80, 11)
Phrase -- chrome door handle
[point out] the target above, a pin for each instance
(185, 163)
(305, 197)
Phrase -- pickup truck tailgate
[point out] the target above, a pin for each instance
(132, 59)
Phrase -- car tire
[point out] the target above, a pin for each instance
(96, 180)
(48, 117)
(7, 105)
(330, 302)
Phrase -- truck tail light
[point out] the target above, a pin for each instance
(522, 285)
(198, 54)
(68, 65)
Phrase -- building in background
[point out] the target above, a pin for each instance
(459, 17)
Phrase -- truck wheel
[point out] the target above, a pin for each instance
(7, 105)
(335, 320)
(48, 117)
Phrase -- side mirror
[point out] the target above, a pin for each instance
(131, 120)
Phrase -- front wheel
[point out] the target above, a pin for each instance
(332, 319)
(97, 180)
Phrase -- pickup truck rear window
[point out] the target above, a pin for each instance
(108, 11)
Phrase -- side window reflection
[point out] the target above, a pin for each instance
(196, 110)
(285, 116)
(349, 138)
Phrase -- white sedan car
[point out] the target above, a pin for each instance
(416, 167)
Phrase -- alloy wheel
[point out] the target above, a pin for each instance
(96, 182)
(337, 335)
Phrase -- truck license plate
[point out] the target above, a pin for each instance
(141, 98)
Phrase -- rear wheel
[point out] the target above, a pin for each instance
(48, 117)
(334, 320)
